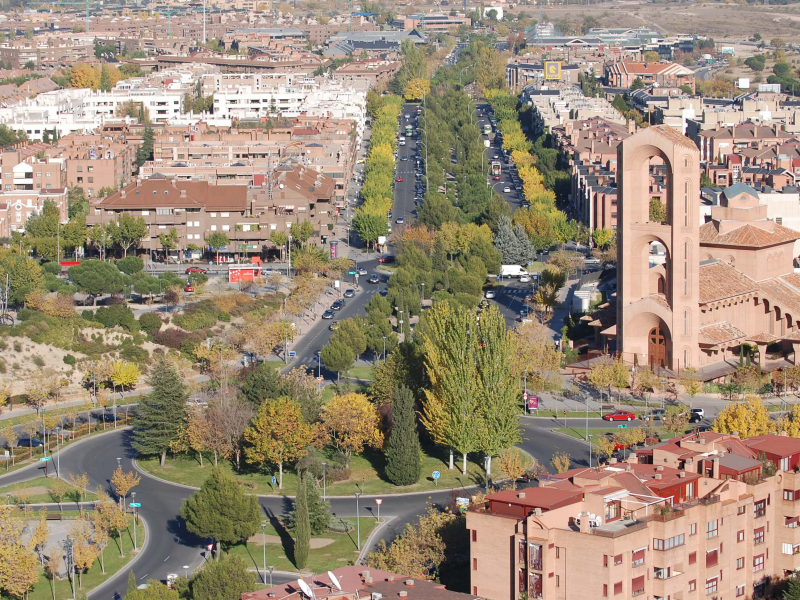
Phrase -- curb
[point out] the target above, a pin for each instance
(365, 547)
(67, 449)
(126, 569)
(328, 496)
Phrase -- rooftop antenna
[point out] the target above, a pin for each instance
(306, 589)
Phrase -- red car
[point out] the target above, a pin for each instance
(619, 415)
(388, 259)
(191, 270)
(497, 178)
(398, 179)
(188, 288)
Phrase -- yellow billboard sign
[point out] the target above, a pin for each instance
(552, 69)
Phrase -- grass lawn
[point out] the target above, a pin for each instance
(367, 373)
(329, 391)
(571, 414)
(366, 474)
(579, 432)
(341, 548)
(94, 576)
(39, 493)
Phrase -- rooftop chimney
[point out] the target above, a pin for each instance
(183, 193)
(682, 474)
(658, 475)
(410, 582)
(584, 525)
(403, 594)
(122, 193)
(390, 579)
(521, 495)
(659, 468)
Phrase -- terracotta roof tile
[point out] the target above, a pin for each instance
(763, 338)
(719, 333)
(747, 235)
(674, 137)
(781, 292)
(719, 280)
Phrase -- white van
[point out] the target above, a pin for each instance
(512, 271)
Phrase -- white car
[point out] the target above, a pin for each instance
(506, 190)
(525, 279)
(490, 294)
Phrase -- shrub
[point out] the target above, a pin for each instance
(339, 525)
(69, 359)
(339, 474)
(198, 316)
(150, 322)
(225, 317)
(38, 360)
(132, 353)
(26, 313)
(3, 345)
(114, 315)
(88, 315)
(17, 347)
(2, 367)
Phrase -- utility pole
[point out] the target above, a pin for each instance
(351, 15)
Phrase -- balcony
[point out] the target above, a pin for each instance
(666, 581)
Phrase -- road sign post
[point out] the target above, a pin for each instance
(135, 506)
(622, 426)
(436, 476)
(379, 501)
(45, 460)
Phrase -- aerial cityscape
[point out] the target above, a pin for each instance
(379, 299)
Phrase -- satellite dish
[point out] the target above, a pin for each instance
(335, 581)
(305, 589)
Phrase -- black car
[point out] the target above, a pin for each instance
(328, 314)
(108, 417)
(29, 443)
(338, 305)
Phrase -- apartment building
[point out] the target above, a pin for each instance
(554, 107)
(50, 52)
(435, 22)
(97, 163)
(664, 74)
(29, 168)
(247, 214)
(695, 517)
(17, 206)
(715, 143)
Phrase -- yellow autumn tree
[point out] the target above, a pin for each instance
(124, 482)
(84, 76)
(416, 89)
(747, 418)
(352, 422)
(125, 374)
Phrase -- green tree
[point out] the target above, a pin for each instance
(130, 265)
(370, 226)
(155, 590)
(24, 276)
(637, 84)
(658, 211)
(280, 239)
(96, 277)
(602, 237)
(132, 587)
(76, 201)
(217, 240)
(513, 243)
(221, 510)
(145, 150)
(127, 231)
(403, 463)
(226, 579)
(161, 413)
(302, 529)
(338, 356)
(792, 590)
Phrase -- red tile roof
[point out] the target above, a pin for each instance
(747, 235)
(719, 280)
(719, 333)
(546, 498)
(779, 445)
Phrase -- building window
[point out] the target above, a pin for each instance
(692, 557)
(760, 508)
(788, 495)
(474, 590)
(224, 214)
(605, 590)
(213, 228)
(637, 558)
(693, 529)
(758, 536)
(558, 581)
(605, 560)
(474, 535)
(711, 529)
(558, 552)
(692, 585)
(785, 464)
(637, 586)
(669, 543)
(759, 589)
(739, 590)
(618, 559)
(474, 564)
(740, 563)
(758, 563)
(91, 179)
(618, 588)
(741, 510)
(740, 536)
(711, 586)
(226, 228)
(712, 558)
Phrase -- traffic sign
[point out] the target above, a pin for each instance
(44, 459)
(525, 396)
(319, 378)
(351, 272)
(210, 547)
(135, 505)
(378, 501)
(622, 426)
(436, 474)
(274, 480)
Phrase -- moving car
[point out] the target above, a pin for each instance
(525, 279)
(338, 304)
(506, 190)
(374, 278)
(191, 270)
(362, 271)
(349, 293)
(188, 287)
(386, 259)
(334, 326)
(400, 220)
(328, 314)
(696, 415)
(657, 414)
(497, 178)
(398, 179)
(490, 294)
(619, 415)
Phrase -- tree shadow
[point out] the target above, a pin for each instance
(287, 542)
(176, 526)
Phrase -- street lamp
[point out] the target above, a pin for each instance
(358, 522)
(186, 571)
(486, 469)
(271, 569)
(324, 464)
(423, 291)
(118, 463)
(590, 450)
(264, 543)
(71, 563)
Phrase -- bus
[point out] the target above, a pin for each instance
(497, 167)
(487, 129)
(409, 130)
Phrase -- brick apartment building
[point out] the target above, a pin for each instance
(715, 143)
(28, 168)
(16, 206)
(695, 517)
(665, 74)
(247, 214)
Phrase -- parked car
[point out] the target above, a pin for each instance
(656, 414)
(188, 287)
(619, 415)
(400, 220)
(108, 417)
(334, 326)
(338, 304)
(490, 294)
(268, 271)
(328, 314)
(362, 271)
(506, 190)
(349, 293)
(191, 270)
(696, 415)
(374, 278)
(29, 443)
(387, 259)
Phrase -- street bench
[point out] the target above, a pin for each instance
(53, 516)
(606, 407)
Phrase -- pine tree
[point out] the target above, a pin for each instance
(513, 243)
(226, 579)
(302, 531)
(160, 414)
(403, 464)
(792, 590)
(131, 583)
(221, 510)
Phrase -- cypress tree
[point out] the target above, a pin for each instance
(403, 464)
(131, 583)
(161, 413)
(302, 531)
